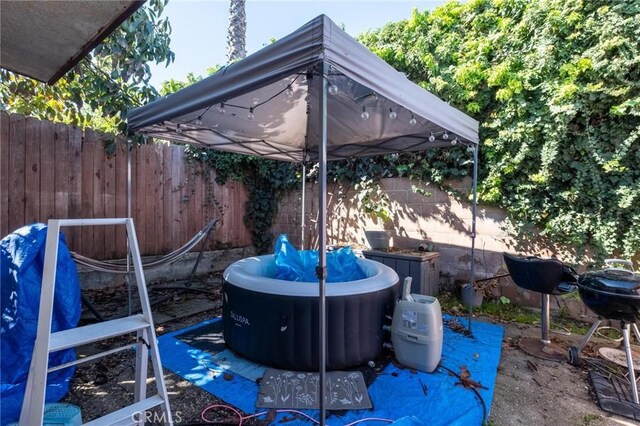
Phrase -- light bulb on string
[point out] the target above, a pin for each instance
(413, 120)
(392, 114)
(250, 116)
(198, 121)
(333, 89)
(454, 141)
(288, 91)
(221, 110)
(178, 129)
(364, 114)
(445, 136)
(432, 137)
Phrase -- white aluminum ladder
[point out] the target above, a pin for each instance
(46, 342)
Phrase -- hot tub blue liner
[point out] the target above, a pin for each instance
(300, 265)
(22, 260)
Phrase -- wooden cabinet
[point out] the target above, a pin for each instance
(424, 268)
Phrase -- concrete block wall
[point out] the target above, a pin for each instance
(440, 218)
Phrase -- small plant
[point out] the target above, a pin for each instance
(589, 419)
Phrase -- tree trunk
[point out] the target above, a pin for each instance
(236, 37)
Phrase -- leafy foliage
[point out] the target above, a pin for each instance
(556, 88)
(265, 181)
(104, 85)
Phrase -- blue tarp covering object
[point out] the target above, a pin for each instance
(300, 265)
(398, 394)
(22, 260)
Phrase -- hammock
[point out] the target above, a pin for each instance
(115, 268)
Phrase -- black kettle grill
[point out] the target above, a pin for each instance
(613, 294)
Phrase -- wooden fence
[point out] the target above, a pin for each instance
(51, 170)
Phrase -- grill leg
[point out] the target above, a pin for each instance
(545, 318)
(586, 337)
(627, 348)
(635, 331)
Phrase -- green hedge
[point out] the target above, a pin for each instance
(555, 86)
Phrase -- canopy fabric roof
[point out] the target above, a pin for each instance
(280, 86)
(45, 39)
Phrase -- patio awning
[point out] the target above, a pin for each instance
(45, 39)
(279, 87)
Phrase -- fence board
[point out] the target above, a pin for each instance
(159, 198)
(61, 170)
(121, 196)
(53, 170)
(139, 199)
(177, 164)
(47, 171)
(4, 173)
(75, 186)
(167, 182)
(147, 225)
(86, 192)
(32, 171)
(110, 205)
(98, 192)
(16, 172)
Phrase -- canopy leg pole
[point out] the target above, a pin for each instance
(129, 197)
(321, 270)
(473, 224)
(302, 220)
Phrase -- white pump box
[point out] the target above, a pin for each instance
(416, 332)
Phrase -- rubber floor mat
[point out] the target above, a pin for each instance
(614, 395)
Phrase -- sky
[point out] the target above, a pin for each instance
(199, 27)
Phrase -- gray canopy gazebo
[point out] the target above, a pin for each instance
(315, 95)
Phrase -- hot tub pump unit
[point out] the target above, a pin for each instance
(416, 330)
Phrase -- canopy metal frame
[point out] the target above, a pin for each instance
(320, 51)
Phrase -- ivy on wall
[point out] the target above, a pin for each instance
(556, 88)
(265, 180)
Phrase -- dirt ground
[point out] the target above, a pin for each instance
(528, 391)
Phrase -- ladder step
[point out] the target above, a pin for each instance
(130, 413)
(92, 333)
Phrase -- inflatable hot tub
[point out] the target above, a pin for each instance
(275, 322)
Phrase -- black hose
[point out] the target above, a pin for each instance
(484, 406)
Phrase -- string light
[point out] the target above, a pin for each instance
(413, 120)
(250, 115)
(178, 129)
(288, 91)
(333, 89)
(392, 114)
(221, 109)
(445, 136)
(432, 137)
(454, 141)
(198, 121)
(365, 114)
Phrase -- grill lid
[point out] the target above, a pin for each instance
(618, 281)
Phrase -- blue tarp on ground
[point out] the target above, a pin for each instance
(22, 260)
(396, 394)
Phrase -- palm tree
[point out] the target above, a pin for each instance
(236, 37)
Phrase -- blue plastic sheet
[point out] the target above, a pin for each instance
(404, 395)
(22, 260)
(300, 265)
